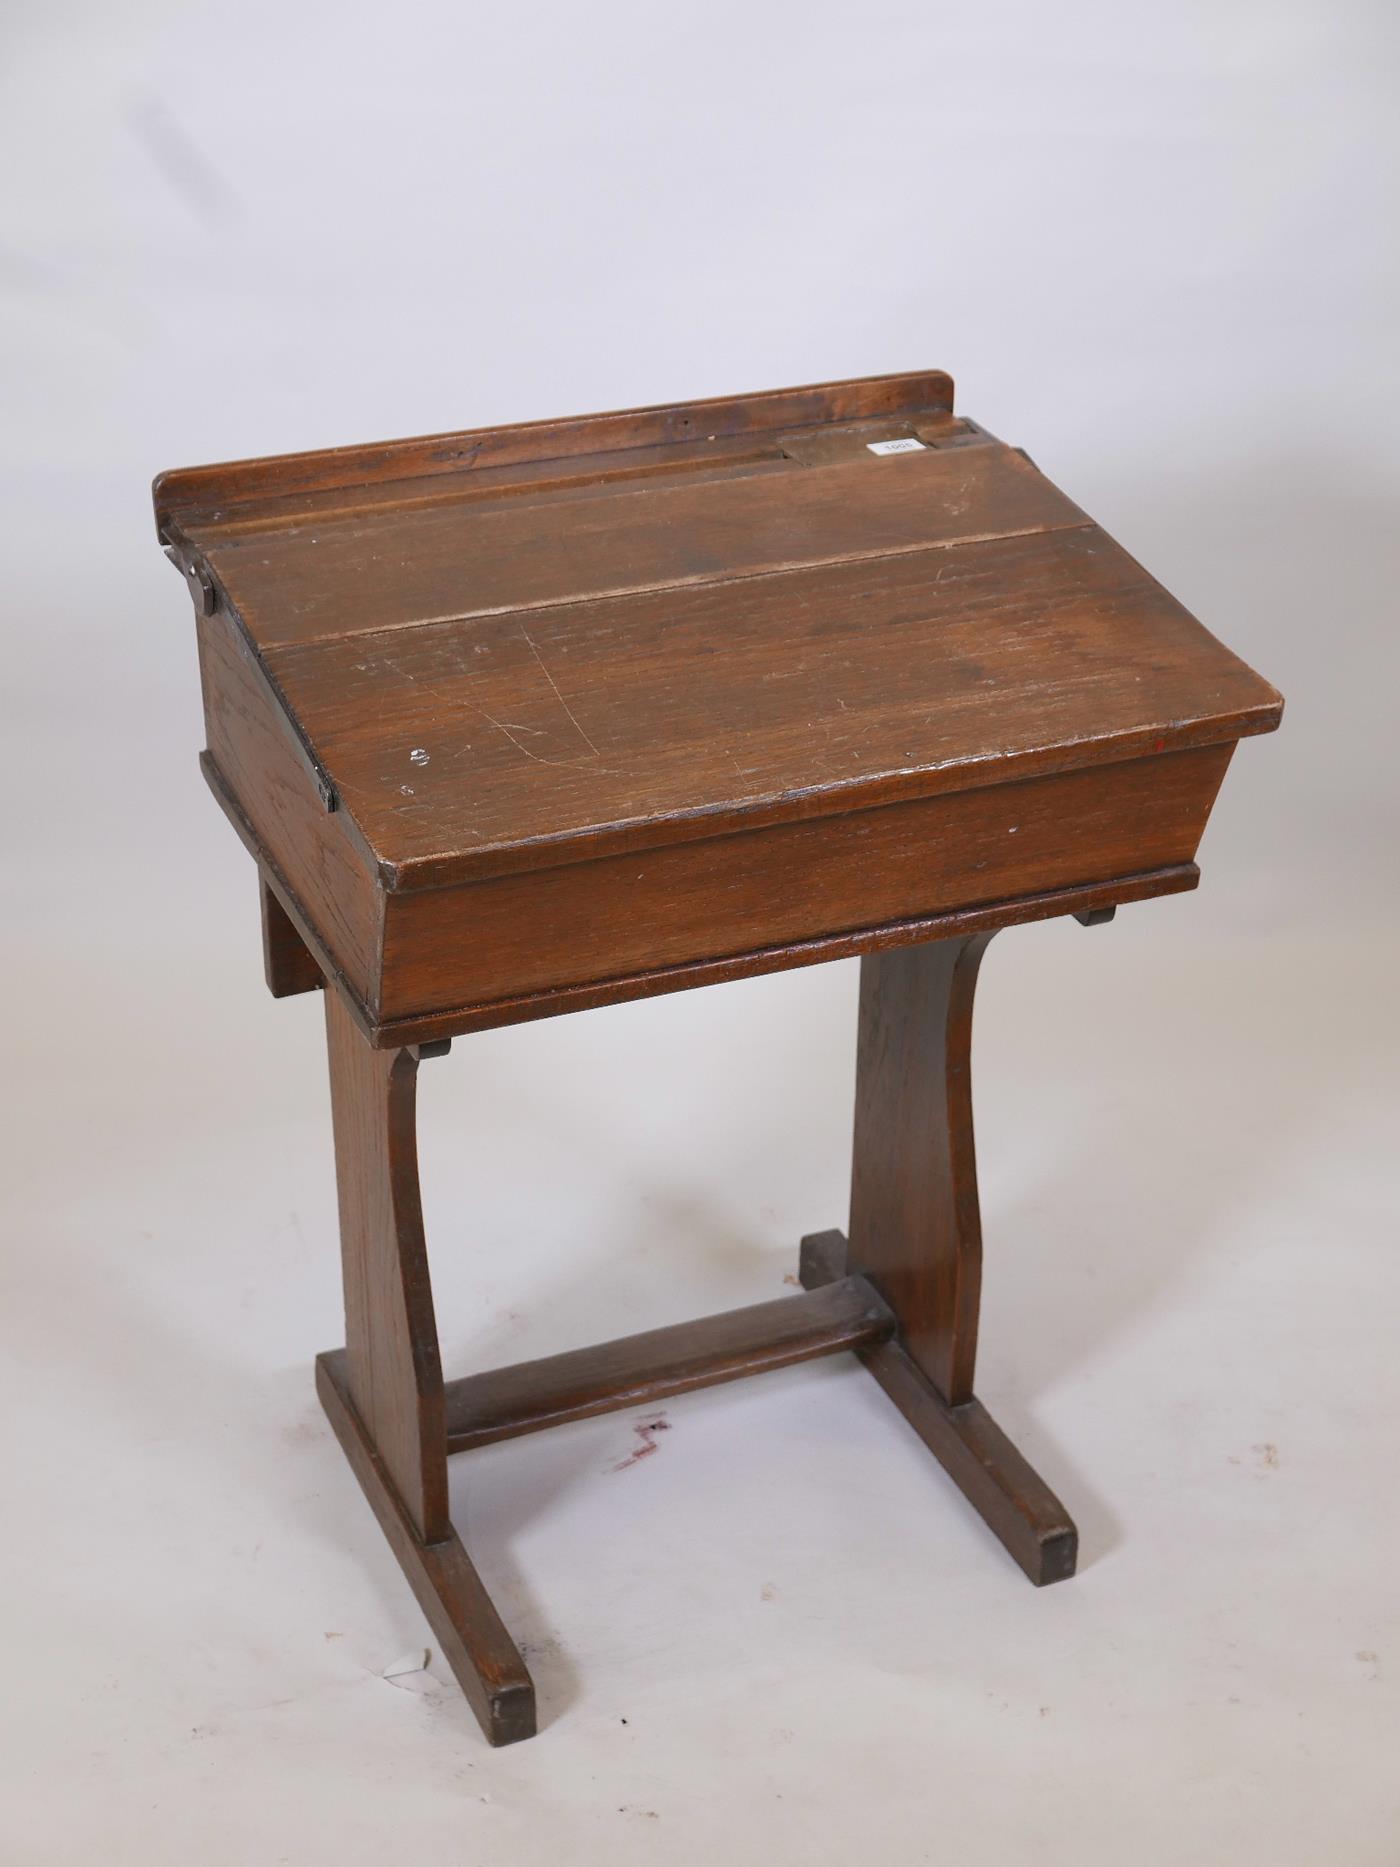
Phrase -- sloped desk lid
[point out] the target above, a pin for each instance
(516, 647)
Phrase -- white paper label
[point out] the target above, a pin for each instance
(908, 445)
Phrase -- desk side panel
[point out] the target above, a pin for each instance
(271, 785)
(490, 940)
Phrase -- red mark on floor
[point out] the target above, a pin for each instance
(646, 1431)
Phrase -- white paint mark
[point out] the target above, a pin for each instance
(418, 756)
(409, 1663)
(410, 1674)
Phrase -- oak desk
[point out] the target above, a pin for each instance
(527, 719)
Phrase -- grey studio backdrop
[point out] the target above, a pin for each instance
(1157, 247)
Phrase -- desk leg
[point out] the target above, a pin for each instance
(916, 1234)
(384, 1391)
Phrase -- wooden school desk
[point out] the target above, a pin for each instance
(527, 719)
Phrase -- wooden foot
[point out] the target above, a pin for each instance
(383, 1392)
(916, 1234)
(472, 1637)
(1002, 1488)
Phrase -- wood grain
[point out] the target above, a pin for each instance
(645, 1368)
(392, 1368)
(355, 573)
(915, 1227)
(288, 963)
(259, 765)
(187, 493)
(460, 1020)
(702, 900)
(513, 742)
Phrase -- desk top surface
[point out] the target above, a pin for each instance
(515, 647)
